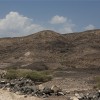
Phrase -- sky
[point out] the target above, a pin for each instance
(24, 17)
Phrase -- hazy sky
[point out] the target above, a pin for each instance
(23, 17)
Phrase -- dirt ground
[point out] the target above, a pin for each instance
(5, 95)
(70, 81)
(73, 80)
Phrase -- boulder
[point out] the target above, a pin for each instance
(80, 96)
(3, 82)
(74, 98)
(60, 93)
(56, 89)
(40, 87)
(47, 90)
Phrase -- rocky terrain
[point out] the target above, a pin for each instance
(50, 50)
(25, 89)
(73, 60)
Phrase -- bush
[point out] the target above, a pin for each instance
(97, 80)
(11, 74)
(37, 76)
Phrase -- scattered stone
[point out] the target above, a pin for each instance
(26, 87)
(3, 82)
(79, 96)
(88, 96)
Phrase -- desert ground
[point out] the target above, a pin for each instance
(70, 81)
(6, 95)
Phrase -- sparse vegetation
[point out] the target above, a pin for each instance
(11, 74)
(37, 76)
(97, 80)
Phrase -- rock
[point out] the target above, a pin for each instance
(21, 83)
(24, 86)
(17, 88)
(40, 87)
(60, 93)
(25, 96)
(64, 92)
(12, 84)
(67, 92)
(8, 85)
(99, 93)
(55, 88)
(47, 90)
(19, 93)
(79, 96)
(33, 93)
(44, 96)
(39, 93)
(74, 98)
(27, 89)
(91, 96)
(8, 89)
(29, 82)
(3, 82)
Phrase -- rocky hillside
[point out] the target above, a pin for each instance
(50, 50)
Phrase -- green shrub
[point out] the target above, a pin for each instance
(37, 76)
(11, 74)
(97, 80)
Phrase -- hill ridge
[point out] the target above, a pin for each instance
(51, 50)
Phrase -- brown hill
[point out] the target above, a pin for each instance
(50, 50)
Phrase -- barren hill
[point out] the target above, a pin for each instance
(50, 50)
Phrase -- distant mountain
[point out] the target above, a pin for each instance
(50, 50)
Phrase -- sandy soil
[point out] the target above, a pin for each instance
(71, 80)
(74, 80)
(5, 95)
